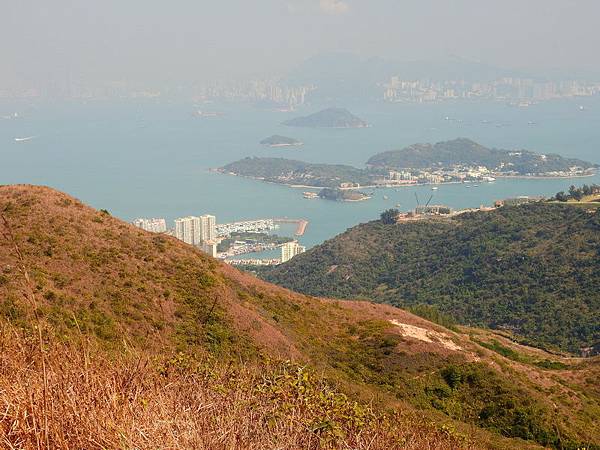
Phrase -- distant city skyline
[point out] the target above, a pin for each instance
(51, 46)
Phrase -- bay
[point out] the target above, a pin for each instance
(151, 158)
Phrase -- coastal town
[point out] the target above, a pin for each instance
(228, 241)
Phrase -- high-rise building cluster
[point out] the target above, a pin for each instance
(509, 89)
(291, 249)
(153, 225)
(258, 90)
(196, 230)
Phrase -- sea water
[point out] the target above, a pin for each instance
(151, 158)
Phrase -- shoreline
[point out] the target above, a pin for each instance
(386, 186)
(546, 177)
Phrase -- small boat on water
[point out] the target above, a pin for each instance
(24, 139)
(385, 197)
(435, 188)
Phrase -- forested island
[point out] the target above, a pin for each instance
(328, 118)
(281, 141)
(343, 195)
(459, 154)
(298, 173)
(459, 160)
(530, 270)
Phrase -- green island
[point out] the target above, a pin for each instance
(461, 153)
(529, 270)
(328, 118)
(343, 195)
(459, 160)
(119, 329)
(280, 141)
(297, 173)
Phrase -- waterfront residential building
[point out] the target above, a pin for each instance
(208, 229)
(291, 249)
(153, 225)
(210, 247)
(187, 229)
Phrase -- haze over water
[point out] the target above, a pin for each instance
(152, 159)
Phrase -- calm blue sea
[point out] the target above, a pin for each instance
(151, 158)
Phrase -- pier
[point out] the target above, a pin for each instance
(301, 224)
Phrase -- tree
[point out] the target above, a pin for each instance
(562, 197)
(389, 216)
(575, 193)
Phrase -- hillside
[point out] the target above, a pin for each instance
(113, 337)
(531, 270)
(328, 118)
(464, 152)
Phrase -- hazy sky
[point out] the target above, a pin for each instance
(184, 40)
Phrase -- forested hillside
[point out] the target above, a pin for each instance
(113, 337)
(533, 270)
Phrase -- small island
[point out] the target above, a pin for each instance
(328, 118)
(343, 195)
(280, 141)
(298, 173)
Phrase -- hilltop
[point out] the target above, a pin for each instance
(115, 337)
(328, 118)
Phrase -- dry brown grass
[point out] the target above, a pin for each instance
(89, 399)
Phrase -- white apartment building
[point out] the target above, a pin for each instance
(291, 249)
(196, 230)
(187, 229)
(154, 225)
(210, 247)
(208, 228)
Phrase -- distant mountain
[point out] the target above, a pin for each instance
(328, 118)
(532, 270)
(280, 141)
(340, 76)
(464, 152)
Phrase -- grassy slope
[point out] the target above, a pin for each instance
(530, 269)
(131, 296)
